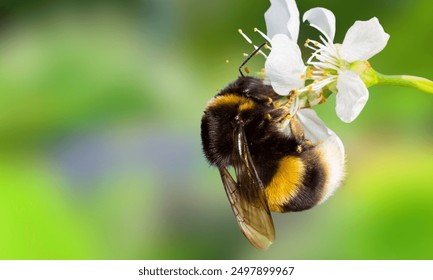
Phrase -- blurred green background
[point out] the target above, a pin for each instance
(100, 153)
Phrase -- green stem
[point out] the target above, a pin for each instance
(407, 81)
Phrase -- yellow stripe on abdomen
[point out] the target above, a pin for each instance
(285, 183)
(226, 100)
(247, 105)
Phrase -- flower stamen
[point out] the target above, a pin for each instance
(245, 36)
(262, 34)
(251, 42)
(310, 73)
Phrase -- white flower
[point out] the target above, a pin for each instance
(332, 62)
(331, 66)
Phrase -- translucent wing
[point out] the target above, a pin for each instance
(247, 196)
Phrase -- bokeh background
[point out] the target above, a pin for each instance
(100, 153)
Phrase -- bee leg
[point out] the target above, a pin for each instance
(278, 114)
(261, 98)
(296, 129)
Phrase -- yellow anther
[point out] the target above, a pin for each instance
(326, 73)
(277, 104)
(302, 76)
(310, 73)
(268, 117)
(247, 69)
(266, 46)
(310, 88)
(316, 44)
(262, 70)
(255, 29)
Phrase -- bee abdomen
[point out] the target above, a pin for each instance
(297, 184)
(310, 191)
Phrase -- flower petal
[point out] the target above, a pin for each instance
(352, 96)
(315, 129)
(284, 65)
(323, 20)
(363, 40)
(283, 18)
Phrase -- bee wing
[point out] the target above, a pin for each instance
(247, 197)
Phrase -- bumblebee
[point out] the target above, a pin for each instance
(275, 169)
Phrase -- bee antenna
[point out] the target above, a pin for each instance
(249, 57)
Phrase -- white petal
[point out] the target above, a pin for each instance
(323, 20)
(363, 40)
(315, 129)
(283, 18)
(284, 65)
(351, 97)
